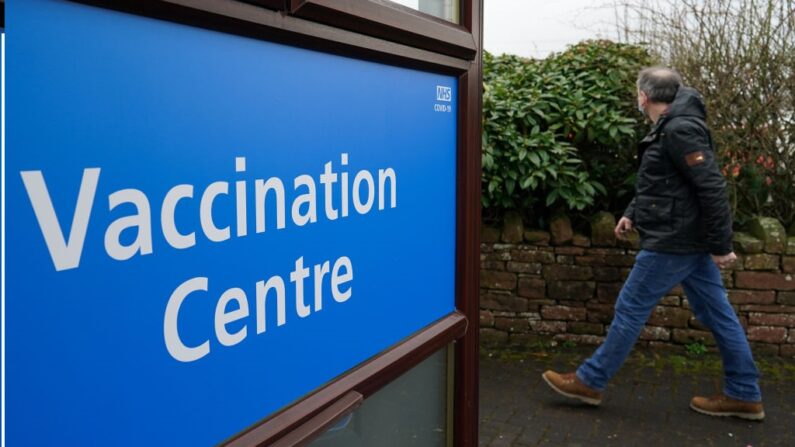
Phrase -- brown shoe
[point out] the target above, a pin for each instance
(726, 406)
(569, 385)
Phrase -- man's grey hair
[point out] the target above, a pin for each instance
(660, 84)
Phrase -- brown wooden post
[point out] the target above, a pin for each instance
(468, 260)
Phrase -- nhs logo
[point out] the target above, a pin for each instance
(444, 93)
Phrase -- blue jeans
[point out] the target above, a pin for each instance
(653, 275)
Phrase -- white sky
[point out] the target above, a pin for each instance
(535, 28)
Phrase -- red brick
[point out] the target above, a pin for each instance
(534, 256)
(620, 260)
(532, 287)
(571, 290)
(492, 265)
(786, 298)
(524, 267)
(695, 324)
(564, 260)
(563, 313)
(761, 262)
(738, 264)
(655, 333)
(752, 296)
(502, 302)
(767, 334)
(773, 309)
(608, 292)
(511, 324)
(548, 327)
(570, 303)
(764, 319)
(606, 251)
(592, 260)
(765, 281)
(497, 280)
(599, 313)
(669, 317)
(486, 318)
(571, 251)
(534, 305)
(495, 256)
(606, 274)
(567, 272)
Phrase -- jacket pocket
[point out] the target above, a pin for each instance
(654, 213)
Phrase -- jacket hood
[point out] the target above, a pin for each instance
(688, 102)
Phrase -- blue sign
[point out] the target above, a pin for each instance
(203, 228)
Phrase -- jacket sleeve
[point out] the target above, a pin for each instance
(629, 213)
(688, 145)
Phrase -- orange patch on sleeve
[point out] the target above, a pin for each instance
(695, 158)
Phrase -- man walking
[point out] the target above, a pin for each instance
(683, 216)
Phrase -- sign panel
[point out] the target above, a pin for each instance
(203, 228)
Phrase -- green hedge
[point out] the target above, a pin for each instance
(561, 132)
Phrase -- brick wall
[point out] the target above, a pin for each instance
(563, 286)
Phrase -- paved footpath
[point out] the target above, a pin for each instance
(645, 405)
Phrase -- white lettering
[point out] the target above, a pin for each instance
(298, 276)
(320, 271)
(337, 280)
(222, 317)
(309, 198)
(260, 190)
(174, 344)
(170, 232)
(212, 232)
(240, 198)
(140, 220)
(363, 208)
(383, 176)
(65, 255)
(276, 283)
(327, 179)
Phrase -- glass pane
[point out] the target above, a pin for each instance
(444, 9)
(409, 412)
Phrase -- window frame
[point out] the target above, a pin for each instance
(387, 34)
(390, 21)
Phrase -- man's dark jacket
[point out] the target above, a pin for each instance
(680, 203)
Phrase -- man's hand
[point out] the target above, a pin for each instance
(725, 260)
(624, 225)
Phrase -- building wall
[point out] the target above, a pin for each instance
(564, 287)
